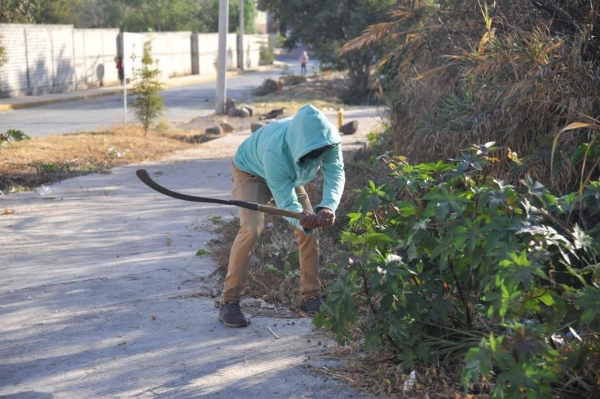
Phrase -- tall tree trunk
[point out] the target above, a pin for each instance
(359, 73)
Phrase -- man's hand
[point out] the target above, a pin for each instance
(326, 217)
(309, 220)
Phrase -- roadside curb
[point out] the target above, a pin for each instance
(36, 103)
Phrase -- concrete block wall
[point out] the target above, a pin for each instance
(13, 74)
(207, 51)
(39, 59)
(57, 58)
(231, 51)
(171, 50)
(252, 46)
(62, 76)
(95, 51)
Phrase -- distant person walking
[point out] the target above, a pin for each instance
(121, 72)
(303, 61)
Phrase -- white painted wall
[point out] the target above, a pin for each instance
(59, 58)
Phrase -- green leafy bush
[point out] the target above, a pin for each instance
(148, 104)
(452, 266)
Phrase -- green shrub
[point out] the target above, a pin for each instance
(268, 86)
(452, 266)
(148, 104)
(291, 79)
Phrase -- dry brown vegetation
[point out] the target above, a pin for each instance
(276, 248)
(514, 73)
(29, 163)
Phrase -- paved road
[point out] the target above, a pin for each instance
(187, 98)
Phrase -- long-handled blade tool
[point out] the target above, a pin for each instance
(147, 180)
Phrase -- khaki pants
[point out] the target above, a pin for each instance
(247, 187)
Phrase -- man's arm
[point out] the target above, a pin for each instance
(284, 194)
(334, 180)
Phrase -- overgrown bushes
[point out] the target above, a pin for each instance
(515, 73)
(454, 267)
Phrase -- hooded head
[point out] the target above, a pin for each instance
(310, 130)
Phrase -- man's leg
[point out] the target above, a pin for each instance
(246, 188)
(308, 248)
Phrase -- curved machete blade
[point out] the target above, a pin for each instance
(147, 180)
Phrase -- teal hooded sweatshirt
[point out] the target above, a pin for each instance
(273, 154)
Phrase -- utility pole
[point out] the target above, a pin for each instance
(221, 92)
(241, 42)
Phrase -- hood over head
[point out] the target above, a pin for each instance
(309, 130)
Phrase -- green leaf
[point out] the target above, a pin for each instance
(443, 196)
(372, 238)
(369, 198)
(589, 302)
(478, 361)
(470, 233)
(534, 188)
(544, 295)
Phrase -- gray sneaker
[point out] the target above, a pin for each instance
(231, 315)
(312, 305)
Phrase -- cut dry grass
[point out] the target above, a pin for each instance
(30, 163)
(273, 274)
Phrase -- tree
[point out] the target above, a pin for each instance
(57, 11)
(333, 23)
(211, 16)
(130, 15)
(17, 11)
(155, 15)
(148, 104)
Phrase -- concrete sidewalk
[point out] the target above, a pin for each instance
(99, 295)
